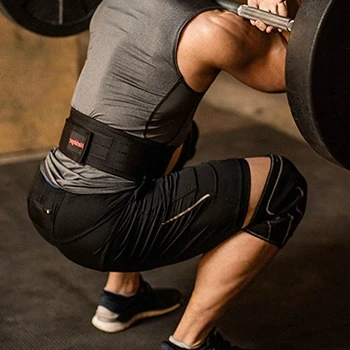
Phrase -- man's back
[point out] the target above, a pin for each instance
(131, 79)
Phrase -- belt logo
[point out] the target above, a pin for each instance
(76, 143)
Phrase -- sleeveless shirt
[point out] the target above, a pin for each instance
(131, 81)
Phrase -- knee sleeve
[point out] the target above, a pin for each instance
(282, 204)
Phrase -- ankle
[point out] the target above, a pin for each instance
(187, 342)
(126, 284)
(193, 337)
(181, 344)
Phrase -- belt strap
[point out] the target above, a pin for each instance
(88, 141)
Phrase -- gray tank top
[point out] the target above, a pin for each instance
(131, 81)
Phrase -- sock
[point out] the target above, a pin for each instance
(129, 295)
(180, 344)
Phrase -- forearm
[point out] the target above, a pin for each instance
(174, 159)
(285, 36)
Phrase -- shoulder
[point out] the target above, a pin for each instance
(204, 43)
(222, 38)
(218, 27)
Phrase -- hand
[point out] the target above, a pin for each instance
(278, 7)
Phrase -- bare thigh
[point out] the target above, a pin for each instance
(259, 170)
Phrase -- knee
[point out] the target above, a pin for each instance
(286, 188)
(282, 204)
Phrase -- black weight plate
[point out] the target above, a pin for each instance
(51, 17)
(318, 77)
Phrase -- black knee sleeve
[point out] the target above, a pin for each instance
(282, 204)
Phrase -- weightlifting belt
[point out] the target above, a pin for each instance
(88, 141)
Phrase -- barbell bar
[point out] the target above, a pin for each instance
(252, 13)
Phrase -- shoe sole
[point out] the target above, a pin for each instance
(116, 326)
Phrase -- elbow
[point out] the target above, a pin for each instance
(276, 90)
(274, 86)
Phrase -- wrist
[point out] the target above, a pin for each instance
(285, 36)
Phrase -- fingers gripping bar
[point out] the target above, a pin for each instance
(253, 13)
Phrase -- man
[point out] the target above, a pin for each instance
(101, 197)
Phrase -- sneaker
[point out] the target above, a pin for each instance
(214, 341)
(116, 313)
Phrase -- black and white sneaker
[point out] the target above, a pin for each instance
(116, 313)
(214, 341)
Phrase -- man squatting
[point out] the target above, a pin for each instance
(115, 195)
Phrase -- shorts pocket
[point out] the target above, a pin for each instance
(42, 213)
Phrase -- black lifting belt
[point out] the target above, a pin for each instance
(88, 141)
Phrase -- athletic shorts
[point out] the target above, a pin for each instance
(161, 222)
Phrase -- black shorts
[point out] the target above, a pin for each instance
(162, 222)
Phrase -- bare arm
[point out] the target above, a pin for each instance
(255, 58)
(220, 40)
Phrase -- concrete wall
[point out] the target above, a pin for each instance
(37, 76)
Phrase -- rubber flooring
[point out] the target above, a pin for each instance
(300, 301)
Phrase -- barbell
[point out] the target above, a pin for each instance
(317, 66)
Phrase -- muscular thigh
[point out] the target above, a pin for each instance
(259, 170)
(172, 219)
(185, 214)
(209, 203)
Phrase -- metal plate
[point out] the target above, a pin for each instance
(51, 17)
(318, 77)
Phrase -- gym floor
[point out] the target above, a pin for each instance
(300, 301)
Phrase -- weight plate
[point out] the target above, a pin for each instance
(51, 17)
(318, 77)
